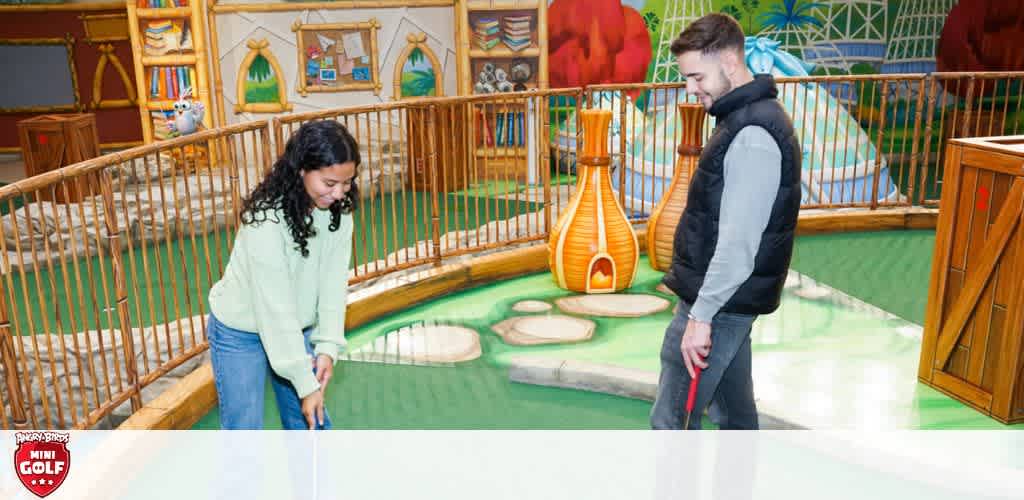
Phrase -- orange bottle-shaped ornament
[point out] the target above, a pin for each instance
(661, 225)
(593, 246)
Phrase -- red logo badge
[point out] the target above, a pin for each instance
(42, 460)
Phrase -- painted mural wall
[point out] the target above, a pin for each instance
(98, 65)
(416, 42)
(593, 42)
(603, 41)
(626, 41)
(411, 51)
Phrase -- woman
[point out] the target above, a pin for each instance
(280, 306)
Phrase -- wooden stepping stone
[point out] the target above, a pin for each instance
(422, 344)
(619, 305)
(531, 306)
(547, 329)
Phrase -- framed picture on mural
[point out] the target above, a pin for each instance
(339, 57)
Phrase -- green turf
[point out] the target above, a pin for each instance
(376, 236)
(497, 188)
(889, 269)
(470, 396)
(491, 188)
(478, 394)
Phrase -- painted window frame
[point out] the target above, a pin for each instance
(417, 41)
(261, 48)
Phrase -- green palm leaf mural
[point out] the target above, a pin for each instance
(261, 83)
(419, 82)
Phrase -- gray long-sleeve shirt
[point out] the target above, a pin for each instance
(751, 175)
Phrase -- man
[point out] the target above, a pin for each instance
(735, 239)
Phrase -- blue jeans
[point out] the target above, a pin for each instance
(727, 379)
(240, 369)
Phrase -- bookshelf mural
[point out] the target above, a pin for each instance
(504, 51)
(167, 36)
(505, 127)
(169, 43)
(167, 83)
(170, 82)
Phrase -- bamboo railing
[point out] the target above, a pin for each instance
(104, 296)
(103, 299)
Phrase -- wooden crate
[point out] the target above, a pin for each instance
(974, 324)
(49, 142)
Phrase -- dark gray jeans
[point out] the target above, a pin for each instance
(727, 379)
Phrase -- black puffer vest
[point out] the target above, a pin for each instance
(697, 233)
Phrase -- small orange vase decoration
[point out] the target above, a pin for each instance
(593, 246)
(661, 225)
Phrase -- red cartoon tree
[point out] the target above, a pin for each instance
(982, 35)
(596, 41)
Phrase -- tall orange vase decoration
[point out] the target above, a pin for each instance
(661, 225)
(593, 246)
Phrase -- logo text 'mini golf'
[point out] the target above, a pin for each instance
(41, 460)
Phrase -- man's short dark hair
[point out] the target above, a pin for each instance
(710, 34)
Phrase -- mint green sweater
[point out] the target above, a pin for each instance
(269, 288)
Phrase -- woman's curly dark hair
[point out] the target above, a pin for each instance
(315, 145)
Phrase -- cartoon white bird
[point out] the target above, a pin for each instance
(188, 114)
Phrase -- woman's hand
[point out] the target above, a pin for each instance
(313, 405)
(324, 366)
(313, 408)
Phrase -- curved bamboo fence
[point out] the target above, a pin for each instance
(103, 302)
(104, 297)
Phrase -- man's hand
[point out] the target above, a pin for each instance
(324, 366)
(696, 345)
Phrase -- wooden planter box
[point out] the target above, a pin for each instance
(49, 142)
(974, 324)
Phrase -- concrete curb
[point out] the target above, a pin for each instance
(606, 379)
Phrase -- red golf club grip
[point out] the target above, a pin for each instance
(691, 398)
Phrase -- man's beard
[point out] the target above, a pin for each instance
(727, 87)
